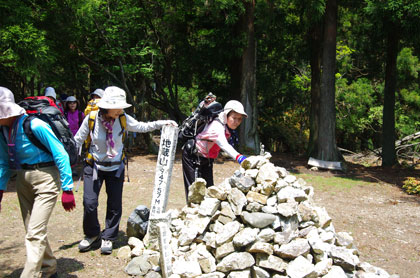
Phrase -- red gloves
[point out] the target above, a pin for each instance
(67, 199)
(1, 197)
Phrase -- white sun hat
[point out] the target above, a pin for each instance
(98, 92)
(8, 107)
(114, 98)
(71, 99)
(50, 92)
(235, 106)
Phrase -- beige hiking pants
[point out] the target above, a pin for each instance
(37, 192)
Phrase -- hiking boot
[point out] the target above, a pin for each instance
(106, 247)
(89, 243)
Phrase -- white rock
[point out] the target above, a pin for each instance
(240, 274)
(209, 206)
(266, 235)
(290, 179)
(258, 272)
(134, 242)
(245, 237)
(228, 232)
(186, 268)
(267, 173)
(300, 268)
(224, 250)
(236, 261)
(335, 272)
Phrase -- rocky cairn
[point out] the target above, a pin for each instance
(259, 223)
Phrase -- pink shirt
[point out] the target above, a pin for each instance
(212, 139)
(73, 119)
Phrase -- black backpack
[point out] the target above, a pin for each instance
(45, 109)
(195, 124)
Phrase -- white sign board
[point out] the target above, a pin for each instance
(165, 249)
(165, 163)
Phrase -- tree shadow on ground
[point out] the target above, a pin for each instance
(119, 242)
(5, 266)
(65, 267)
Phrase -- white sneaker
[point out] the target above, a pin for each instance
(106, 247)
(89, 243)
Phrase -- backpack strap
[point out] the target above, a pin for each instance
(91, 123)
(123, 123)
(31, 136)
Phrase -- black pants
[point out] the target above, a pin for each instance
(114, 188)
(191, 162)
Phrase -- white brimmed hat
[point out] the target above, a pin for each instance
(98, 92)
(114, 98)
(50, 92)
(71, 99)
(8, 107)
(235, 106)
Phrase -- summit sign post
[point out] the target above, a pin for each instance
(157, 236)
(165, 163)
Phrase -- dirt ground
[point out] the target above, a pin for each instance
(384, 221)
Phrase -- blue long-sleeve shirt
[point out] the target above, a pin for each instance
(28, 153)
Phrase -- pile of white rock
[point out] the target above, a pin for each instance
(259, 223)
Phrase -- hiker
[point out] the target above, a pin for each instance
(38, 180)
(94, 99)
(208, 100)
(50, 92)
(63, 98)
(104, 161)
(198, 157)
(73, 115)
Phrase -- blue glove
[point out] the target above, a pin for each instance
(240, 158)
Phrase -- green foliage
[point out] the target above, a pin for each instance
(408, 68)
(412, 185)
(344, 58)
(408, 100)
(23, 48)
(358, 115)
(188, 99)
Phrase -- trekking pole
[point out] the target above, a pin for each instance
(78, 184)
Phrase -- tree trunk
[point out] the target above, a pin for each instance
(235, 78)
(327, 147)
(248, 135)
(388, 125)
(315, 38)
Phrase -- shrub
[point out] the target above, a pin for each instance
(412, 185)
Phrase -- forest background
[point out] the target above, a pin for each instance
(314, 75)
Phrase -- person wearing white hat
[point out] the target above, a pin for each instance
(50, 92)
(197, 159)
(93, 102)
(105, 162)
(38, 180)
